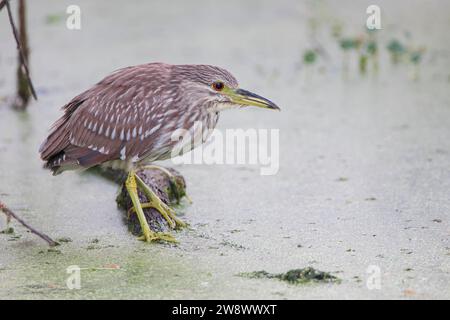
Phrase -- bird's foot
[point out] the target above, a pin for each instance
(148, 235)
(157, 236)
(172, 181)
(167, 213)
(155, 202)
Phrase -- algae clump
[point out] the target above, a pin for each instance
(295, 276)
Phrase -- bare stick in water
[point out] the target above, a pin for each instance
(22, 55)
(10, 214)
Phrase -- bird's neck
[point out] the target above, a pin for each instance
(220, 106)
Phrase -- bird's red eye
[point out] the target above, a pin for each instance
(218, 86)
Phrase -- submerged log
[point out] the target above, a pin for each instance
(170, 192)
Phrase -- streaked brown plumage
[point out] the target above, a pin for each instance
(128, 117)
(127, 120)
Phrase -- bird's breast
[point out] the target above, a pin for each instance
(184, 139)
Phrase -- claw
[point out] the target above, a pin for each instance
(158, 236)
(188, 198)
(178, 223)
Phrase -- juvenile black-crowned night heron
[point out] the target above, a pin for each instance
(126, 121)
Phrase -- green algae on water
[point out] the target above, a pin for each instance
(9, 230)
(309, 57)
(64, 240)
(295, 276)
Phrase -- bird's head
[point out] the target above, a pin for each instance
(217, 87)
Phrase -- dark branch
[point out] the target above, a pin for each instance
(10, 214)
(2, 4)
(19, 47)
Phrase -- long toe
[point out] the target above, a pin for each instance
(158, 236)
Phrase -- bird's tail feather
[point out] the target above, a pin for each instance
(74, 157)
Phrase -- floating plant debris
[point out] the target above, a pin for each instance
(295, 276)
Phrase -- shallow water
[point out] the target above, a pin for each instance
(364, 160)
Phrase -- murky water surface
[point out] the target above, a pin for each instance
(364, 174)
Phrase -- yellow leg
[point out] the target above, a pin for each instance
(148, 234)
(155, 202)
(160, 210)
(171, 177)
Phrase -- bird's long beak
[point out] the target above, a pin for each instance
(247, 98)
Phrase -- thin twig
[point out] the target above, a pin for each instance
(2, 4)
(10, 214)
(19, 47)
